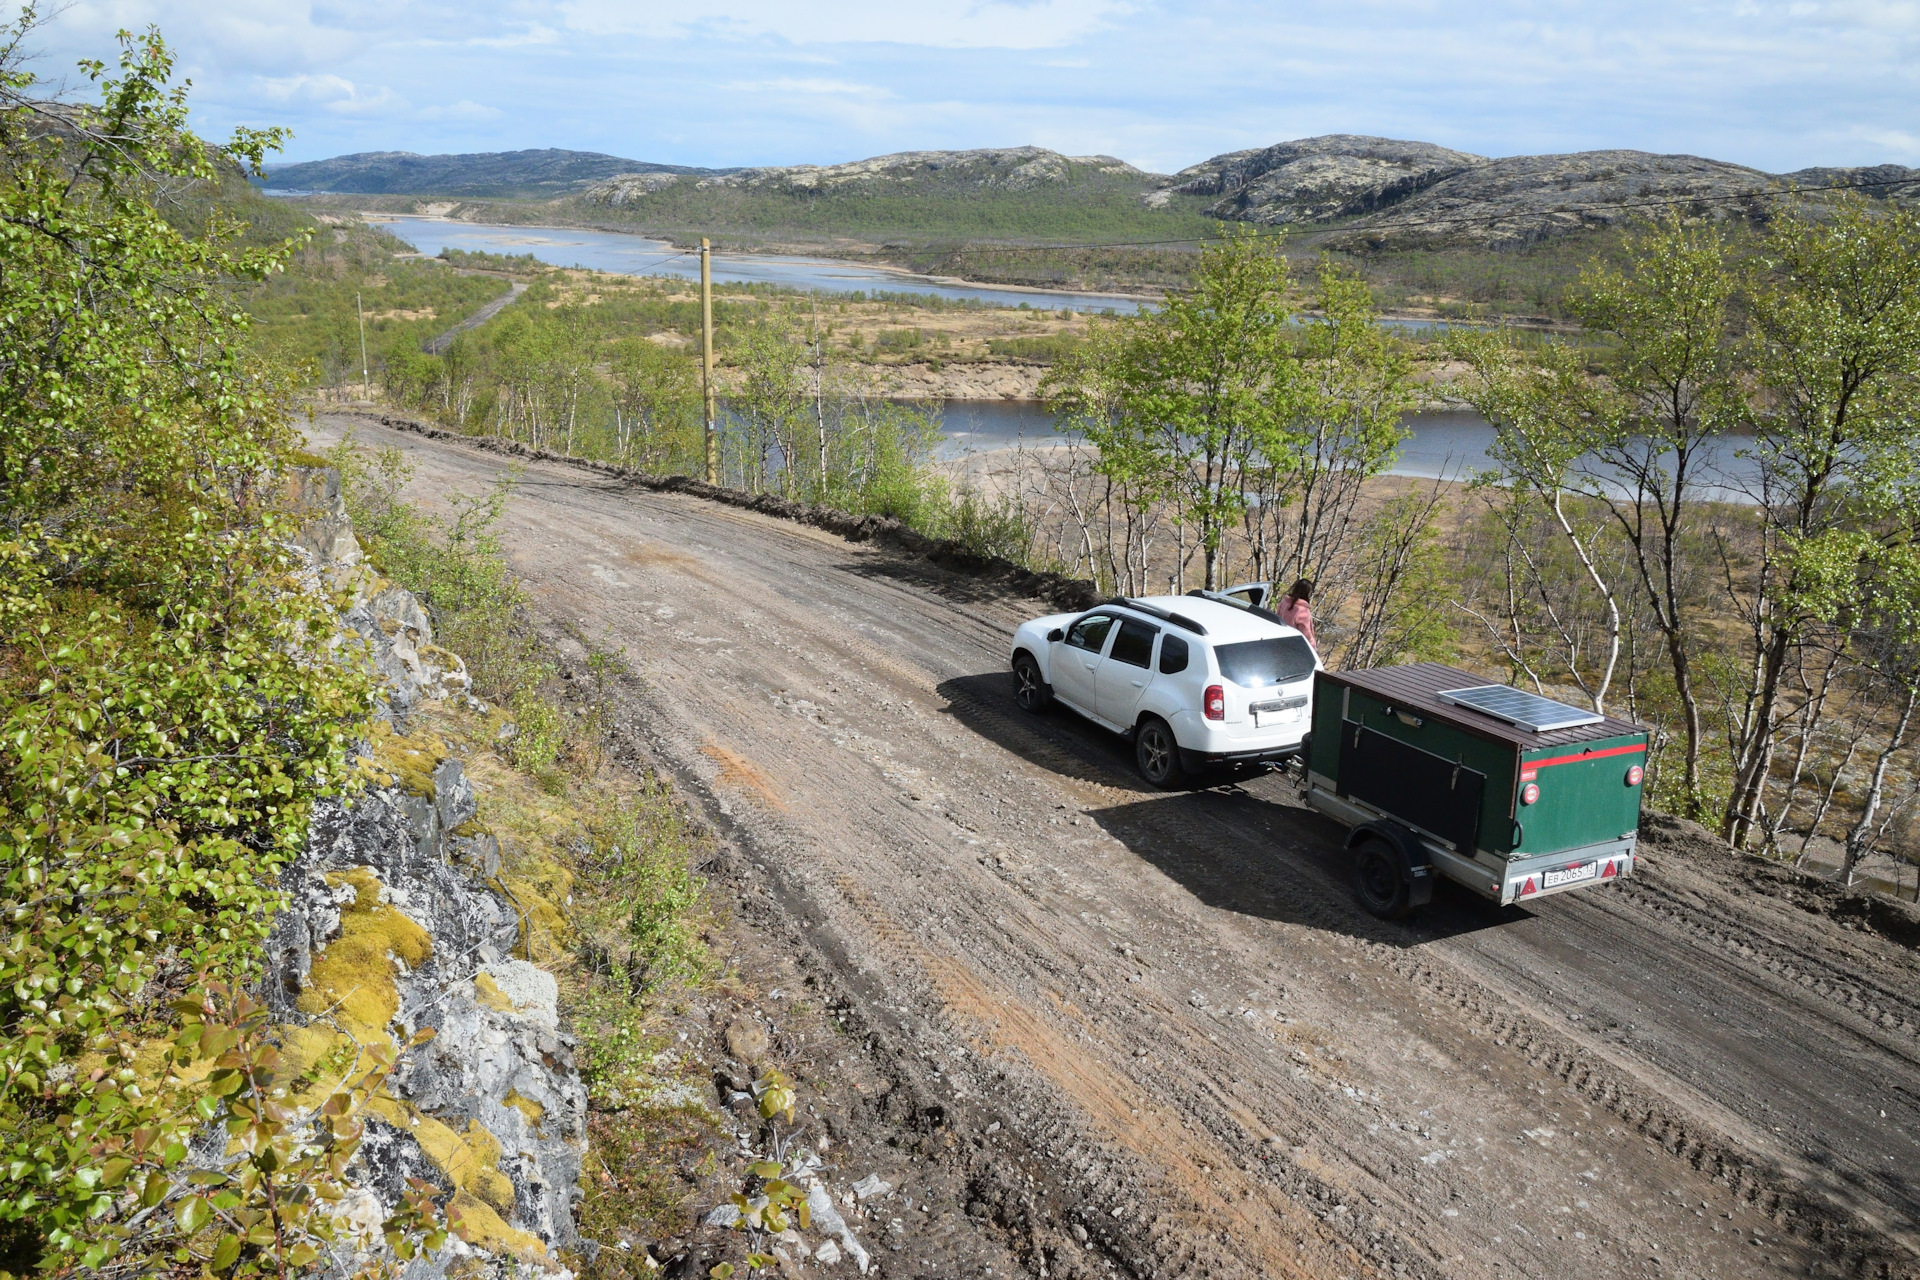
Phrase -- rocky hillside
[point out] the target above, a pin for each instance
(547, 173)
(397, 922)
(1397, 190)
(986, 169)
(1315, 179)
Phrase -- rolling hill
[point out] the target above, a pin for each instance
(497, 174)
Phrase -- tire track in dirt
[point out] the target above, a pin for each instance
(1206, 1202)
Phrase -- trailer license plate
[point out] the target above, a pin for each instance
(1571, 875)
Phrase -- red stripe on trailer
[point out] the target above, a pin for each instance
(1586, 755)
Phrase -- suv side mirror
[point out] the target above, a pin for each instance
(1055, 636)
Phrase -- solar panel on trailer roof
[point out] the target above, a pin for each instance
(1518, 707)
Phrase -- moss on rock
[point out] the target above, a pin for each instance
(353, 979)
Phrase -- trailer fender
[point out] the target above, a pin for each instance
(1417, 871)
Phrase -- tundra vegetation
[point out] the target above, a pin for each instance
(168, 715)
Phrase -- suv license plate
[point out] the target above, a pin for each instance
(1571, 875)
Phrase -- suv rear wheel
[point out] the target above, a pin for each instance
(1156, 753)
(1029, 689)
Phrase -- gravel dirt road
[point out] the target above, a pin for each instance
(1186, 1033)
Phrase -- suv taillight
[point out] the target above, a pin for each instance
(1216, 702)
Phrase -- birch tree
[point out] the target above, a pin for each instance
(1835, 354)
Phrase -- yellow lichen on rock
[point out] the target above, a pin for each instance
(527, 1107)
(539, 888)
(489, 993)
(405, 761)
(353, 979)
(320, 1059)
(483, 1228)
(482, 1194)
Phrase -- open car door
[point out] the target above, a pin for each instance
(1254, 593)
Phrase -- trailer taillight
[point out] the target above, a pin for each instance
(1530, 793)
(1216, 702)
(1634, 775)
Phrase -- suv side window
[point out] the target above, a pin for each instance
(1134, 644)
(1173, 656)
(1090, 633)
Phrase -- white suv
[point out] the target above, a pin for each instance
(1198, 680)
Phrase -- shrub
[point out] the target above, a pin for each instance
(165, 721)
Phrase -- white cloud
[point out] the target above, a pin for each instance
(535, 34)
(461, 110)
(832, 88)
(940, 24)
(331, 93)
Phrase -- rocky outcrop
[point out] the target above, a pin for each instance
(1525, 198)
(397, 924)
(399, 642)
(1878, 181)
(325, 535)
(992, 168)
(1386, 190)
(1318, 179)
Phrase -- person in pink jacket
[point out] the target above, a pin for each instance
(1296, 610)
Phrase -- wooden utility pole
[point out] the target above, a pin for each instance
(365, 394)
(706, 357)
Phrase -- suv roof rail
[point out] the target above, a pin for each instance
(1180, 620)
(1238, 603)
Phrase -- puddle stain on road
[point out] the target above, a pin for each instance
(737, 773)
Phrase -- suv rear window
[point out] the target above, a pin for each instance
(1255, 664)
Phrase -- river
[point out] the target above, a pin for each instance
(1446, 444)
(630, 255)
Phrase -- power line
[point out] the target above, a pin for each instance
(1470, 220)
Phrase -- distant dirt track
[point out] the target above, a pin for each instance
(1170, 999)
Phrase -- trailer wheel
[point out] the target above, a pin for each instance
(1380, 878)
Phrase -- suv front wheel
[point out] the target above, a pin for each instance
(1029, 687)
(1156, 753)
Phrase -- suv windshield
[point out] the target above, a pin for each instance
(1255, 664)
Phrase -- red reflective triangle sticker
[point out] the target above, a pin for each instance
(1611, 869)
(1528, 888)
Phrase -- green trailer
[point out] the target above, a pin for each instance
(1437, 772)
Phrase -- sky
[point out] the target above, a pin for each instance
(1778, 86)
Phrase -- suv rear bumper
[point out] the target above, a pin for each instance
(1199, 761)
